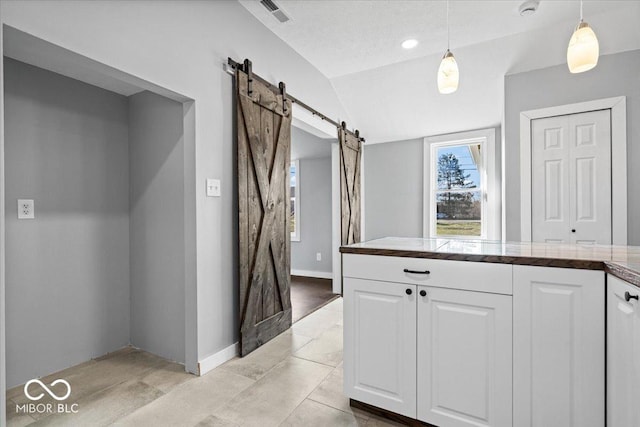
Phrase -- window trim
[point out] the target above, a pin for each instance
(491, 217)
(295, 235)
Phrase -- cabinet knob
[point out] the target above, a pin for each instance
(423, 293)
(573, 230)
(409, 291)
(628, 296)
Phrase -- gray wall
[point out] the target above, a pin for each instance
(393, 189)
(112, 36)
(3, 377)
(315, 216)
(615, 75)
(156, 149)
(67, 276)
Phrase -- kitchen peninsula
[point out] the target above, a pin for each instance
(485, 333)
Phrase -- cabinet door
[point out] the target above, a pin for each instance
(559, 347)
(623, 352)
(464, 358)
(380, 344)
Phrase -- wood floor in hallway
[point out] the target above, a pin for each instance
(294, 380)
(309, 294)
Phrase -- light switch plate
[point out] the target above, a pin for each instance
(26, 209)
(213, 187)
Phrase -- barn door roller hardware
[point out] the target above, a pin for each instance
(283, 92)
(355, 133)
(246, 67)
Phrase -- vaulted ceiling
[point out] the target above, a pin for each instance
(390, 93)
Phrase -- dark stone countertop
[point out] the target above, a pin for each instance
(620, 261)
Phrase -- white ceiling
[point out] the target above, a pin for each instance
(347, 36)
(390, 93)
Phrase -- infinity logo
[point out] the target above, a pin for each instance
(47, 389)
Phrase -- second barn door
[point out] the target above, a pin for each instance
(264, 147)
(350, 159)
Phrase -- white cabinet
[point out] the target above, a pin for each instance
(380, 344)
(419, 343)
(464, 358)
(623, 354)
(559, 347)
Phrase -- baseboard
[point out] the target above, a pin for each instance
(210, 363)
(309, 273)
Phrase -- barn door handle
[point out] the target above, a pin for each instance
(406, 270)
(628, 296)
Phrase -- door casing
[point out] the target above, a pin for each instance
(618, 107)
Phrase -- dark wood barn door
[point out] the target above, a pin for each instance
(264, 140)
(350, 154)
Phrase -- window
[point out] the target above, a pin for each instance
(294, 195)
(461, 200)
(458, 189)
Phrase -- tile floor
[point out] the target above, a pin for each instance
(294, 380)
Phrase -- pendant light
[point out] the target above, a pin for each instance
(583, 50)
(448, 74)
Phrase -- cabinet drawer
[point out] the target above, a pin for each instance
(473, 276)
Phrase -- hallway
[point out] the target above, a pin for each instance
(308, 294)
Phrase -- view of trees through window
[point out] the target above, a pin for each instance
(459, 190)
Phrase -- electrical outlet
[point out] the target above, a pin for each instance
(319, 256)
(25, 209)
(213, 187)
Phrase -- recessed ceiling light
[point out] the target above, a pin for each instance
(410, 43)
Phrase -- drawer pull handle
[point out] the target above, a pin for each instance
(409, 291)
(406, 270)
(628, 296)
(423, 293)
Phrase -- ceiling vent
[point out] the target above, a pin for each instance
(275, 10)
(529, 7)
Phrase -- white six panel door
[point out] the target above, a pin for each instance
(380, 344)
(550, 201)
(464, 358)
(590, 177)
(623, 355)
(571, 178)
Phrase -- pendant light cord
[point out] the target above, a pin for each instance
(580, 10)
(448, 31)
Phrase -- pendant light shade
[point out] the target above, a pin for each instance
(583, 50)
(448, 74)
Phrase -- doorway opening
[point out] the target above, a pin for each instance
(311, 187)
